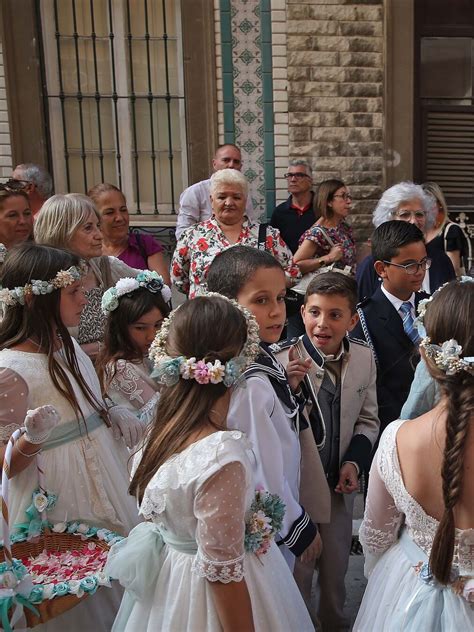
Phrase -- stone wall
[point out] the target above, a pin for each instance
(335, 95)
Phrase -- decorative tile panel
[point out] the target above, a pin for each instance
(248, 93)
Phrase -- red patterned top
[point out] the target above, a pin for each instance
(341, 235)
(199, 244)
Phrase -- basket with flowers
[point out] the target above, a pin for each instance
(46, 568)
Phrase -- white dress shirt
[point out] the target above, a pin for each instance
(398, 302)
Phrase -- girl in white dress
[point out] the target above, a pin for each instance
(418, 528)
(135, 309)
(43, 368)
(186, 568)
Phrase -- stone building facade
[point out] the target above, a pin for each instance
(333, 81)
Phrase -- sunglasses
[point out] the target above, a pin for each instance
(14, 185)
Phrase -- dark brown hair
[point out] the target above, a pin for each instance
(208, 328)
(449, 316)
(326, 191)
(5, 194)
(117, 342)
(332, 283)
(40, 318)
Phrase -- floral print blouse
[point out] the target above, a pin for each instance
(199, 244)
(341, 236)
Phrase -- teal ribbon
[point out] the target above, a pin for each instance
(72, 430)
(8, 602)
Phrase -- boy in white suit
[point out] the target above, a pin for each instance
(343, 414)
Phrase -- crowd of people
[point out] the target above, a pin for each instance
(226, 439)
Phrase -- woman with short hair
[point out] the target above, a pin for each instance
(228, 226)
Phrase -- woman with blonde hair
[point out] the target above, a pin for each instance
(71, 222)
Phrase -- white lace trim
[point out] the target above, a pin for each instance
(182, 467)
(420, 526)
(126, 380)
(213, 571)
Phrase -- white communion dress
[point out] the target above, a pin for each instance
(196, 505)
(129, 384)
(88, 473)
(397, 536)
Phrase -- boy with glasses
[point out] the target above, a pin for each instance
(387, 317)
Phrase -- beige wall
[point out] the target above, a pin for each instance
(5, 145)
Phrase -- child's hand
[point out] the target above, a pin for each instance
(313, 551)
(296, 369)
(348, 480)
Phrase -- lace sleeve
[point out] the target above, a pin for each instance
(13, 402)
(382, 520)
(220, 511)
(128, 383)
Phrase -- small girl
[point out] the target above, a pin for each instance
(135, 309)
(49, 386)
(186, 567)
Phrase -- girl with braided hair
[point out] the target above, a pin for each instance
(418, 528)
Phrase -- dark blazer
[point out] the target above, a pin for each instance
(397, 356)
(441, 272)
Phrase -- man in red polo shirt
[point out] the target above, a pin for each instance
(295, 215)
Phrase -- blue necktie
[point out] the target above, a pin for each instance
(408, 323)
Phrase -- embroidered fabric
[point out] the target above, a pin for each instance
(389, 505)
(181, 468)
(203, 493)
(131, 386)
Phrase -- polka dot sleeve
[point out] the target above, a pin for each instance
(13, 402)
(220, 508)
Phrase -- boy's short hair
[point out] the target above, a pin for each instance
(389, 237)
(231, 269)
(329, 283)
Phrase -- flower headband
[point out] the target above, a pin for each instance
(63, 278)
(152, 281)
(3, 252)
(168, 370)
(446, 356)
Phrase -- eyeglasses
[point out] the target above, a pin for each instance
(405, 216)
(344, 196)
(298, 174)
(412, 268)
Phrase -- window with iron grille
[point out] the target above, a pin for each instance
(115, 98)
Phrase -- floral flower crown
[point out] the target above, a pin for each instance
(63, 278)
(148, 279)
(446, 356)
(169, 370)
(3, 253)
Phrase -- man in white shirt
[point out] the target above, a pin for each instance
(195, 201)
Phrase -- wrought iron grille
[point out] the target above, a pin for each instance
(115, 96)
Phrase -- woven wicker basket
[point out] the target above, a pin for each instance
(48, 541)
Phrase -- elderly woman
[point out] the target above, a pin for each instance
(407, 202)
(137, 250)
(445, 235)
(228, 226)
(16, 220)
(72, 222)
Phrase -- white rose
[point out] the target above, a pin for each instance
(75, 587)
(83, 528)
(9, 579)
(48, 590)
(126, 285)
(40, 502)
(166, 294)
(60, 527)
(102, 579)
